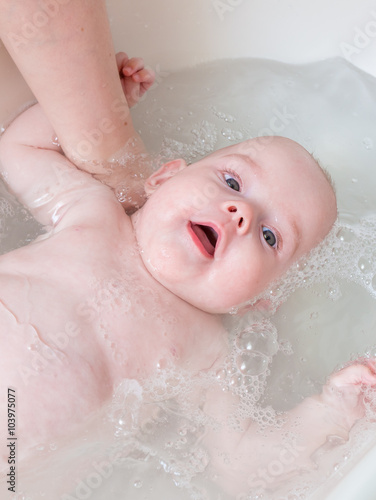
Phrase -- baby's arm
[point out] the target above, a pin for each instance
(69, 63)
(34, 129)
(127, 172)
(41, 177)
(243, 459)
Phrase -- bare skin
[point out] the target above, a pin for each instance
(262, 460)
(99, 276)
(93, 254)
(68, 61)
(78, 305)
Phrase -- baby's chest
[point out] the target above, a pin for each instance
(155, 333)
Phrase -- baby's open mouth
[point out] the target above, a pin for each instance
(207, 236)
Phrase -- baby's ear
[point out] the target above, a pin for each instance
(163, 174)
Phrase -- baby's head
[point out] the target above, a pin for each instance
(218, 232)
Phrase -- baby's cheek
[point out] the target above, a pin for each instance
(200, 197)
(235, 291)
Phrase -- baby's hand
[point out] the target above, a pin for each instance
(134, 77)
(344, 392)
(242, 461)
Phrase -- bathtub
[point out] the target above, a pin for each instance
(185, 33)
(175, 34)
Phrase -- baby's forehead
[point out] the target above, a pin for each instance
(246, 148)
(266, 146)
(278, 155)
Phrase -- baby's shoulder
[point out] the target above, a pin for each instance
(95, 206)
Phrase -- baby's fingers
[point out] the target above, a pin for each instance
(367, 374)
(355, 375)
(121, 60)
(132, 66)
(145, 77)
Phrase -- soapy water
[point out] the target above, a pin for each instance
(17, 226)
(147, 443)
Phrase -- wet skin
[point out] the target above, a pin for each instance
(102, 296)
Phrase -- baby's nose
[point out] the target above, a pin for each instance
(241, 213)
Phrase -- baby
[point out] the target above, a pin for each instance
(103, 296)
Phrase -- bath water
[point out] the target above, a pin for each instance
(146, 443)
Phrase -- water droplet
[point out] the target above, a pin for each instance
(364, 265)
(137, 483)
(235, 380)
(345, 234)
(334, 293)
(55, 141)
(374, 282)
(221, 374)
(260, 337)
(232, 135)
(252, 363)
(300, 266)
(367, 143)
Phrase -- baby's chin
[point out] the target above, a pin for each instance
(218, 307)
(201, 302)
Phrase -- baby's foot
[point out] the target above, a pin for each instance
(134, 77)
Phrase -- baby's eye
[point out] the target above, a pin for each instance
(269, 237)
(233, 183)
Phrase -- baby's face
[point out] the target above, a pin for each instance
(218, 232)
